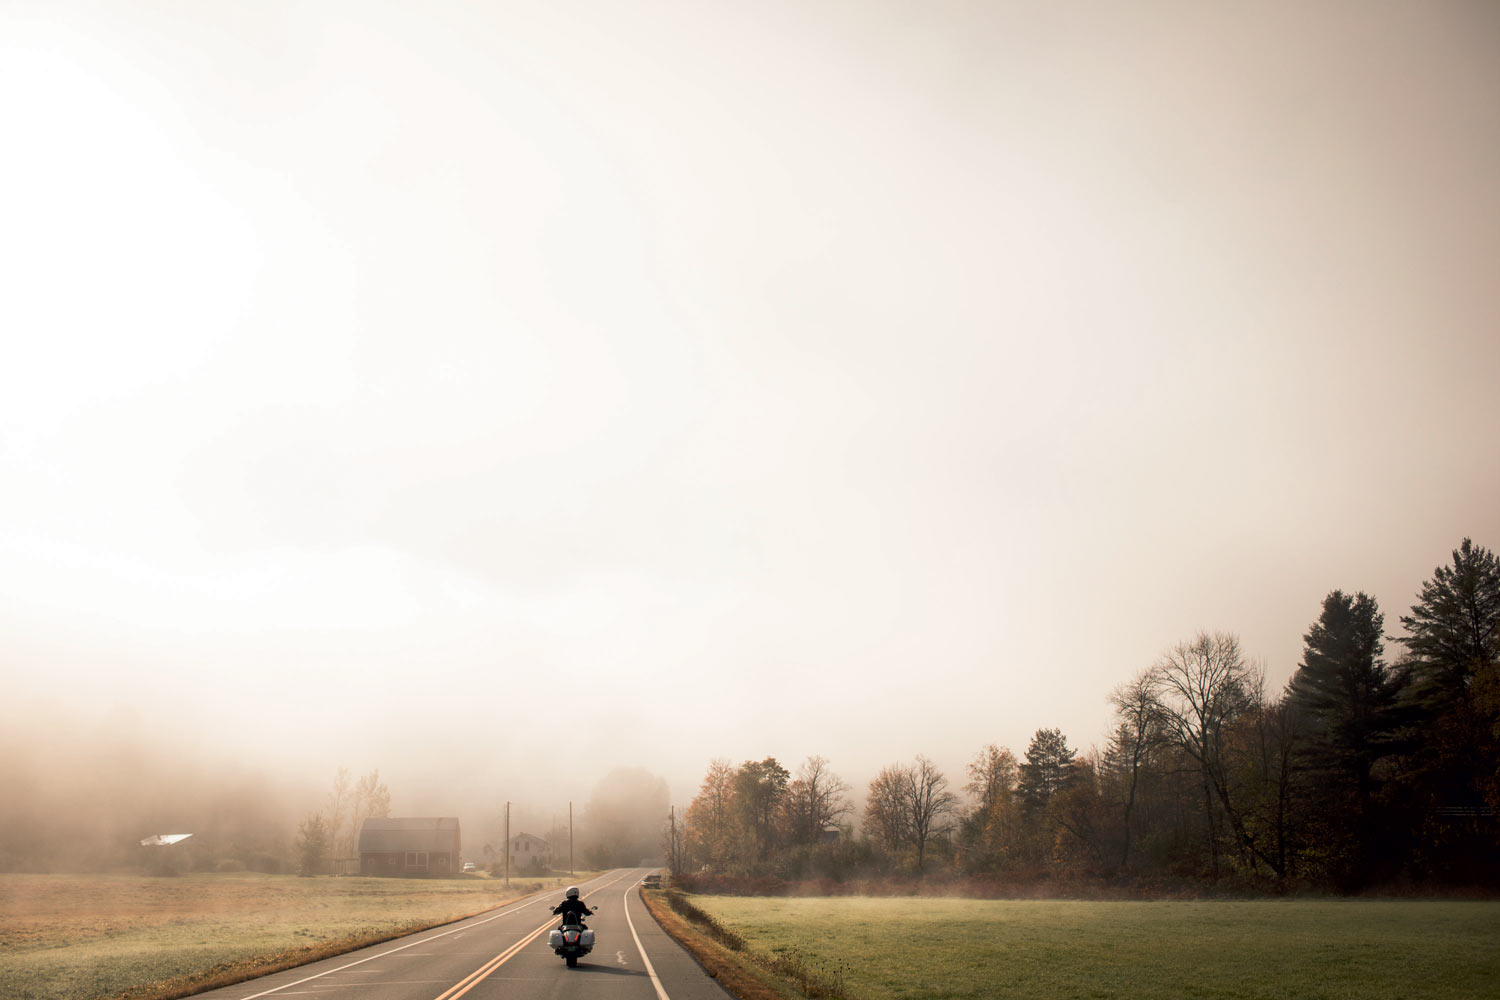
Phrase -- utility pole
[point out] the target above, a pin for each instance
(570, 838)
(507, 845)
(672, 844)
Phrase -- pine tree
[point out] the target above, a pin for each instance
(1454, 641)
(1347, 717)
(1454, 628)
(1344, 692)
(1048, 767)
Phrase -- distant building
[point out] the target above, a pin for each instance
(409, 845)
(830, 835)
(529, 852)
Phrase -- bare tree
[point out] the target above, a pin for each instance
(931, 805)
(814, 801)
(885, 812)
(1270, 739)
(338, 807)
(1138, 732)
(1200, 688)
(908, 805)
(371, 800)
(672, 840)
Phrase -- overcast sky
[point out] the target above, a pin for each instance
(722, 379)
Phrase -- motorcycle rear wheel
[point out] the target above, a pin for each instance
(572, 961)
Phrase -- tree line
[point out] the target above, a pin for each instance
(1361, 771)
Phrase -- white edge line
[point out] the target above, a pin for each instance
(412, 944)
(625, 904)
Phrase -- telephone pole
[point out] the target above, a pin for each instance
(570, 838)
(507, 844)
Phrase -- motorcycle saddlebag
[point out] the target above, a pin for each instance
(554, 940)
(586, 939)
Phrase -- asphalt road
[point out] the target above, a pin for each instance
(504, 953)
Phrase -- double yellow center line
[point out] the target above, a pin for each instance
(474, 978)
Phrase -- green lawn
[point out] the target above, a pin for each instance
(1292, 949)
(77, 937)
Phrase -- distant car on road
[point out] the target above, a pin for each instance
(469, 866)
(652, 881)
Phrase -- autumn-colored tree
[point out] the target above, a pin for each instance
(710, 817)
(1077, 822)
(990, 833)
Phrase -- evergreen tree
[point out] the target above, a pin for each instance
(1454, 628)
(1347, 718)
(1454, 641)
(1344, 692)
(1048, 767)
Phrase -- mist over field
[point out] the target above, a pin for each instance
(497, 396)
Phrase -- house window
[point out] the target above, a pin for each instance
(416, 859)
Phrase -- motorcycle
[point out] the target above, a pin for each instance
(573, 940)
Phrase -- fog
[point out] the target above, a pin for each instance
(497, 395)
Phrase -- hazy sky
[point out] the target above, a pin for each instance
(393, 383)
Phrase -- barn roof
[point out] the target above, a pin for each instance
(408, 833)
(165, 839)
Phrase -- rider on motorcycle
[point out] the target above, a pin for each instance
(573, 905)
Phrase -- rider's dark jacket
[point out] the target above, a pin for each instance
(568, 906)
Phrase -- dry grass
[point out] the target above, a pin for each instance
(86, 937)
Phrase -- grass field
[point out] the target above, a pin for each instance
(79, 937)
(902, 949)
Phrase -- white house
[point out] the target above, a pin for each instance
(529, 852)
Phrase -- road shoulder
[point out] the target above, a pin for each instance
(733, 970)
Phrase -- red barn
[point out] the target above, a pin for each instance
(409, 845)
